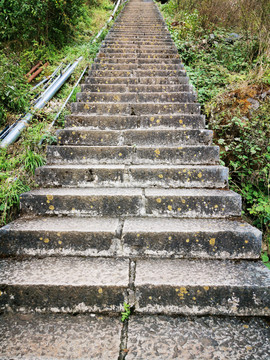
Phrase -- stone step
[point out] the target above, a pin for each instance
(129, 67)
(161, 80)
(138, 97)
(139, 61)
(170, 155)
(150, 52)
(199, 338)
(121, 88)
(193, 287)
(59, 336)
(137, 73)
(151, 137)
(64, 285)
(132, 237)
(166, 176)
(119, 122)
(187, 203)
(139, 56)
(135, 108)
(138, 42)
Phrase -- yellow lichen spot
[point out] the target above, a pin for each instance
(48, 201)
(160, 176)
(51, 207)
(84, 157)
(169, 207)
(46, 240)
(157, 151)
(59, 137)
(73, 133)
(152, 118)
(59, 242)
(198, 291)
(216, 206)
(158, 121)
(246, 326)
(100, 291)
(120, 154)
(150, 298)
(183, 201)
(200, 175)
(49, 197)
(212, 241)
(41, 238)
(58, 234)
(138, 235)
(73, 209)
(242, 225)
(193, 298)
(187, 240)
(197, 240)
(246, 241)
(248, 347)
(158, 200)
(206, 288)
(176, 290)
(170, 238)
(180, 121)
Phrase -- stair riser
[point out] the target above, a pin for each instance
(134, 109)
(137, 73)
(142, 177)
(137, 97)
(136, 88)
(139, 61)
(191, 300)
(149, 67)
(62, 299)
(174, 206)
(228, 245)
(129, 138)
(138, 57)
(132, 122)
(142, 81)
(129, 155)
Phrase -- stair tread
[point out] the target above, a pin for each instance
(31, 336)
(69, 271)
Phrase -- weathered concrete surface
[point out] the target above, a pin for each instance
(192, 287)
(189, 238)
(167, 176)
(63, 285)
(60, 236)
(200, 338)
(81, 337)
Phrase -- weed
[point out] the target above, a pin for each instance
(126, 313)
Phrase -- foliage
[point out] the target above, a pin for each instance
(126, 313)
(44, 21)
(228, 69)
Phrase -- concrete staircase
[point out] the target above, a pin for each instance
(133, 207)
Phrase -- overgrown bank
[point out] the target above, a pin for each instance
(20, 49)
(225, 48)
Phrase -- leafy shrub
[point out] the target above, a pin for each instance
(47, 21)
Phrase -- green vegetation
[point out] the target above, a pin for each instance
(71, 27)
(126, 313)
(225, 48)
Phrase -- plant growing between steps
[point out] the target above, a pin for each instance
(126, 313)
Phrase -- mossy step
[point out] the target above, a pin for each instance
(119, 122)
(164, 176)
(121, 88)
(151, 137)
(181, 203)
(66, 285)
(137, 97)
(170, 155)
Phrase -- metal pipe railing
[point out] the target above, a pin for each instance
(49, 93)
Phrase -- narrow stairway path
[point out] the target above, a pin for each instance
(133, 207)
